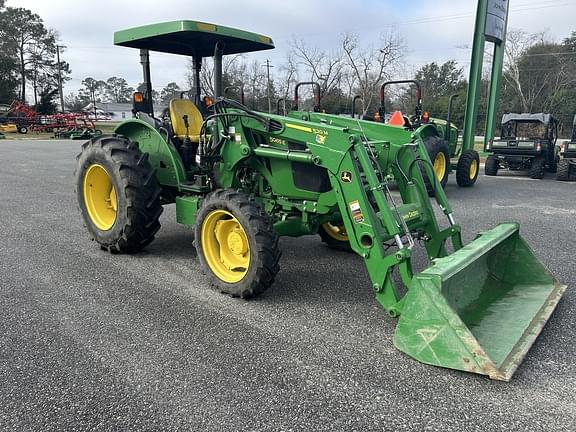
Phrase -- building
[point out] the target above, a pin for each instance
(110, 111)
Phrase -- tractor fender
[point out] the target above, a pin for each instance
(426, 131)
(162, 155)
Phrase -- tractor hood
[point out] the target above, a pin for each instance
(191, 38)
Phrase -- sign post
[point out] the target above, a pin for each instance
(491, 26)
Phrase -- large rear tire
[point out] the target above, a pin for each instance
(236, 243)
(118, 194)
(563, 172)
(335, 236)
(467, 168)
(537, 168)
(439, 154)
(491, 166)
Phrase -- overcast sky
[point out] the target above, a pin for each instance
(434, 30)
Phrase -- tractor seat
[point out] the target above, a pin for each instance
(178, 109)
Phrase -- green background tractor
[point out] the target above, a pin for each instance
(242, 179)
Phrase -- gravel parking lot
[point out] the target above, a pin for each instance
(93, 341)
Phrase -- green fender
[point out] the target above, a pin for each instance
(162, 155)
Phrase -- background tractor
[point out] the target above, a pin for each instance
(527, 142)
(242, 179)
(567, 165)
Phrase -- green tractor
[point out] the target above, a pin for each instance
(441, 145)
(242, 179)
(527, 142)
(567, 165)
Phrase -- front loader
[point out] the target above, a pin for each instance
(242, 179)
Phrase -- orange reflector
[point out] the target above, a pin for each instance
(138, 97)
(397, 119)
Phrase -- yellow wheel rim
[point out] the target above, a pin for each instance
(440, 165)
(225, 246)
(100, 197)
(473, 169)
(337, 232)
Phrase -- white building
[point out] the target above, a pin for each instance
(110, 111)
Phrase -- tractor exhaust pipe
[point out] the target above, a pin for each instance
(218, 53)
(449, 117)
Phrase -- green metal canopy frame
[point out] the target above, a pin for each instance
(192, 38)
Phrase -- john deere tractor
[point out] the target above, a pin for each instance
(242, 179)
(567, 165)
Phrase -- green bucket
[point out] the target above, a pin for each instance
(481, 308)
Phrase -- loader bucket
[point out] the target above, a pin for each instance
(481, 308)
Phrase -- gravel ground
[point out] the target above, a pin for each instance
(93, 341)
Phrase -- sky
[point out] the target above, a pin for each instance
(433, 30)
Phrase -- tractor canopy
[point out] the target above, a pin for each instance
(528, 117)
(527, 126)
(193, 38)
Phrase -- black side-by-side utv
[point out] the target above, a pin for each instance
(567, 165)
(527, 142)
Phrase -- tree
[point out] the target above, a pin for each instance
(367, 68)
(34, 46)
(171, 91)
(93, 91)
(75, 103)
(117, 90)
(46, 103)
(323, 67)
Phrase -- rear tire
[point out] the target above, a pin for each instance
(22, 130)
(537, 168)
(439, 154)
(563, 172)
(334, 236)
(491, 166)
(236, 243)
(118, 194)
(467, 168)
(553, 167)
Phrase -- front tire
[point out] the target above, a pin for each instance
(118, 194)
(491, 166)
(236, 243)
(439, 154)
(467, 169)
(537, 168)
(563, 172)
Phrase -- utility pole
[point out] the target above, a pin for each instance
(268, 66)
(60, 78)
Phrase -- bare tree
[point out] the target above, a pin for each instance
(517, 43)
(288, 77)
(324, 67)
(367, 68)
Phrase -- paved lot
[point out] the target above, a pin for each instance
(92, 341)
